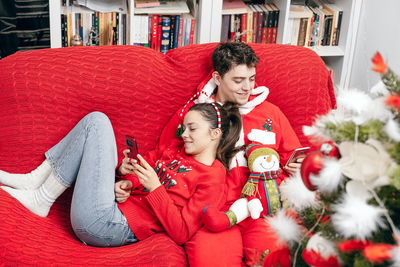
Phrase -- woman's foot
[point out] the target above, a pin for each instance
(28, 181)
(40, 200)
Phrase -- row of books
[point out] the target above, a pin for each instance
(164, 32)
(250, 23)
(94, 28)
(314, 25)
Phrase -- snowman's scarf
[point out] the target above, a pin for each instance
(251, 186)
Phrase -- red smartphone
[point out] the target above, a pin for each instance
(131, 144)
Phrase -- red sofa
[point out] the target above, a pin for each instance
(44, 93)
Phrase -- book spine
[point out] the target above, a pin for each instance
(249, 34)
(180, 32)
(259, 26)
(159, 31)
(255, 23)
(225, 28)
(188, 23)
(264, 28)
(69, 27)
(62, 30)
(337, 30)
(243, 27)
(176, 31)
(192, 27)
(165, 32)
(154, 28)
(275, 28)
(172, 33)
(302, 31)
(232, 28)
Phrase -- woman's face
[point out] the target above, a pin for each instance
(198, 137)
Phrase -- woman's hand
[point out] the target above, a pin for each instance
(146, 174)
(291, 168)
(127, 164)
(122, 190)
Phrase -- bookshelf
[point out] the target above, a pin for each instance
(208, 15)
(56, 9)
(339, 58)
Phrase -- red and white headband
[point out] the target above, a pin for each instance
(218, 114)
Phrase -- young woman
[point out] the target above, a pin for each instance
(166, 192)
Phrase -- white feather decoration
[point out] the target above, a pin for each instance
(396, 257)
(354, 218)
(325, 247)
(329, 177)
(286, 227)
(356, 104)
(392, 129)
(379, 89)
(294, 191)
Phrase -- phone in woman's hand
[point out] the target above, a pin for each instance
(131, 144)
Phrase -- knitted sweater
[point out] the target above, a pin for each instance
(175, 207)
(263, 123)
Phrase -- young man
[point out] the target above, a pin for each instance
(233, 80)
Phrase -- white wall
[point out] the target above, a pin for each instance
(379, 30)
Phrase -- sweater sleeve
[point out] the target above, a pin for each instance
(289, 140)
(181, 223)
(149, 157)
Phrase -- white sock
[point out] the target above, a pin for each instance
(39, 200)
(27, 181)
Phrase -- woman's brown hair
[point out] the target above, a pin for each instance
(231, 125)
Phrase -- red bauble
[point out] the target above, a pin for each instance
(330, 149)
(312, 163)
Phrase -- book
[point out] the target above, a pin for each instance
(180, 32)
(230, 7)
(165, 8)
(225, 28)
(192, 28)
(176, 31)
(260, 19)
(154, 29)
(165, 32)
(146, 3)
(275, 24)
(243, 27)
(172, 33)
(255, 23)
(249, 34)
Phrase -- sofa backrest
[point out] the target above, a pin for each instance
(44, 93)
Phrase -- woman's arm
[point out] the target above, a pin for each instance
(179, 222)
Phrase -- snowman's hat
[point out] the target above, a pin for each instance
(253, 151)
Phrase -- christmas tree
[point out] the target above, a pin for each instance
(345, 201)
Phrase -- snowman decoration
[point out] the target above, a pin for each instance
(260, 195)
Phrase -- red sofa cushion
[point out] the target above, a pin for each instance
(44, 93)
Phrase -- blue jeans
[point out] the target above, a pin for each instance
(88, 157)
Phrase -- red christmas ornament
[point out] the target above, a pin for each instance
(330, 149)
(312, 163)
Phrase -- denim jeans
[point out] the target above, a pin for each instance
(88, 157)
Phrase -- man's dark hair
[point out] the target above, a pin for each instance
(226, 55)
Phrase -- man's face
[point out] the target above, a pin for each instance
(236, 84)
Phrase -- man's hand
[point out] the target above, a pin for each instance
(146, 174)
(126, 165)
(291, 168)
(122, 190)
